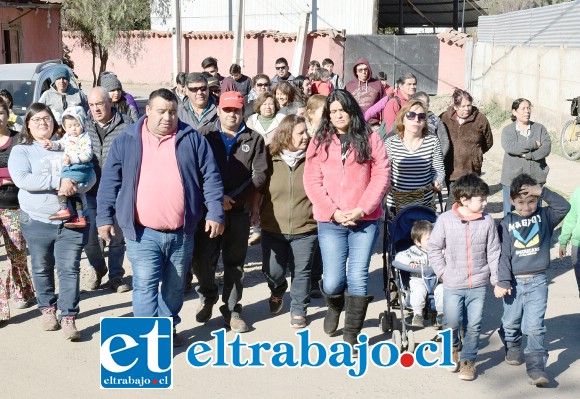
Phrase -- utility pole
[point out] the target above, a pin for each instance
(239, 31)
(177, 36)
(300, 49)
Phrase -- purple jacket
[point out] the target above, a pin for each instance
(464, 252)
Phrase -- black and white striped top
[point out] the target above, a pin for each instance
(413, 170)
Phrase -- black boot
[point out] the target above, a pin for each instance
(535, 369)
(356, 310)
(334, 303)
(513, 353)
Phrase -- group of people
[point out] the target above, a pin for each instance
(312, 168)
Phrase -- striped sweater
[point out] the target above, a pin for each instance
(413, 170)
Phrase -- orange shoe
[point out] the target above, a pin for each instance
(77, 222)
(62, 214)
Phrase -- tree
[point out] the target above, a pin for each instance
(99, 23)
(494, 7)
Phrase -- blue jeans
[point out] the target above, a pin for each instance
(339, 243)
(93, 248)
(159, 257)
(507, 205)
(456, 303)
(524, 311)
(53, 245)
(294, 252)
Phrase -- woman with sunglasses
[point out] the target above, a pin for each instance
(260, 84)
(416, 159)
(470, 136)
(346, 176)
(37, 172)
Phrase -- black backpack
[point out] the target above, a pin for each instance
(575, 107)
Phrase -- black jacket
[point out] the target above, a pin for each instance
(101, 145)
(244, 171)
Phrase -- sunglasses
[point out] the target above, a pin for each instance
(412, 115)
(281, 68)
(196, 89)
(262, 84)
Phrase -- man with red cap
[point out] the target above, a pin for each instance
(241, 157)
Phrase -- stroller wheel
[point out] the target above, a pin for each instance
(410, 341)
(393, 320)
(383, 322)
(397, 340)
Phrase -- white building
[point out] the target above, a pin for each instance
(355, 17)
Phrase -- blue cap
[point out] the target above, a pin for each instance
(60, 72)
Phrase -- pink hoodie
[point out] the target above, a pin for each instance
(330, 185)
(366, 93)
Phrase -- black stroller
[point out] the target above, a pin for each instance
(398, 238)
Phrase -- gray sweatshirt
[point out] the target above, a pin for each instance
(36, 172)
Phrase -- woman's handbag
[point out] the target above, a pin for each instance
(403, 199)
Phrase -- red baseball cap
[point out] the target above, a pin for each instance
(231, 99)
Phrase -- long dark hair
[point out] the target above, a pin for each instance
(358, 131)
(25, 137)
(122, 105)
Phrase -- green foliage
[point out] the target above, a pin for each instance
(494, 7)
(495, 114)
(99, 23)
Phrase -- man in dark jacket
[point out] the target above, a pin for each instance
(364, 88)
(199, 107)
(105, 125)
(158, 176)
(242, 161)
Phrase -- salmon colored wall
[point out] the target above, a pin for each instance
(452, 65)
(39, 42)
(153, 63)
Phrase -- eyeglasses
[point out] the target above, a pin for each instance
(196, 89)
(281, 67)
(362, 69)
(412, 115)
(262, 84)
(46, 119)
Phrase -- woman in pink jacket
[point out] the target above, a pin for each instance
(346, 176)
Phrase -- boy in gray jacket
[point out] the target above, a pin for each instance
(464, 251)
(525, 236)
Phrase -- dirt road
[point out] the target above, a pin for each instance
(35, 363)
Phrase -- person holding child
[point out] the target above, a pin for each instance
(525, 236)
(464, 251)
(36, 171)
(416, 257)
(77, 165)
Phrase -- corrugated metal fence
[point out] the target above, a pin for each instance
(551, 26)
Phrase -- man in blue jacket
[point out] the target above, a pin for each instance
(158, 176)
